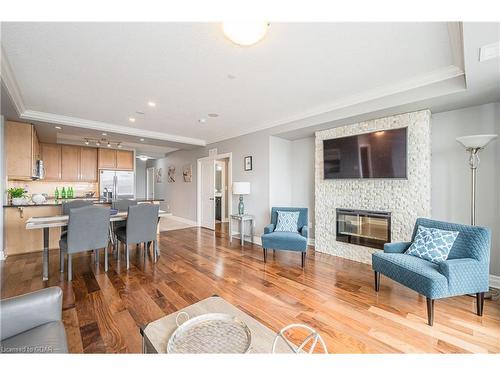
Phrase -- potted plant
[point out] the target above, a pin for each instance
(17, 195)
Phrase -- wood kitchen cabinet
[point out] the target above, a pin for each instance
(22, 150)
(51, 156)
(88, 164)
(18, 239)
(124, 159)
(70, 163)
(116, 159)
(107, 158)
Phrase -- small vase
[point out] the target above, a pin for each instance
(18, 201)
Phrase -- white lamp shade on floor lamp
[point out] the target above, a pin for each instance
(476, 141)
(241, 188)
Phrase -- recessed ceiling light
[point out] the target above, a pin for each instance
(109, 144)
(98, 143)
(104, 134)
(131, 119)
(143, 157)
(152, 104)
(57, 127)
(202, 120)
(142, 139)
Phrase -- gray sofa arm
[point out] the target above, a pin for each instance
(21, 313)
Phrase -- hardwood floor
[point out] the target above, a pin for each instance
(102, 311)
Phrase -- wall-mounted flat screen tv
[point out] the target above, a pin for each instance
(381, 154)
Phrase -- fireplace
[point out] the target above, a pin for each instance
(365, 228)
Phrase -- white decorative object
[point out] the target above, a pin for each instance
(18, 201)
(313, 335)
(38, 198)
(406, 199)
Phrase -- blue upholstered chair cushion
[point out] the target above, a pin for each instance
(432, 244)
(287, 221)
(415, 273)
(284, 241)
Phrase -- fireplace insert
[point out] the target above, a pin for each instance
(365, 228)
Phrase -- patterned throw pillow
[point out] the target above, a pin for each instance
(432, 244)
(287, 221)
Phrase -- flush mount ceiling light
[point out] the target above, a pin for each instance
(245, 33)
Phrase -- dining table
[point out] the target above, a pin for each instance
(47, 222)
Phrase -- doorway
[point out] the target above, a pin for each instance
(214, 203)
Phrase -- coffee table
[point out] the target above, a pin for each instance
(155, 335)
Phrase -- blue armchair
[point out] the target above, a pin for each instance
(466, 271)
(286, 240)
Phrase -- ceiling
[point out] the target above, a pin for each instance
(91, 77)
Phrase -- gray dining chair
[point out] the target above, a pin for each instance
(121, 205)
(142, 223)
(66, 206)
(87, 230)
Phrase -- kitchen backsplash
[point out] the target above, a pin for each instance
(48, 187)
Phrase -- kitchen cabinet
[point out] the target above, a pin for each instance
(51, 156)
(107, 158)
(124, 160)
(88, 164)
(22, 150)
(116, 159)
(70, 163)
(19, 240)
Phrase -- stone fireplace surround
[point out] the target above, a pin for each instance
(406, 199)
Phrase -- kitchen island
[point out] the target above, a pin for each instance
(19, 240)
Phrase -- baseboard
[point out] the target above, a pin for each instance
(184, 220)
(310, 241)
(495, 281)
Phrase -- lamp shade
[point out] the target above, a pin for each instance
(476, 141)
(241, 188)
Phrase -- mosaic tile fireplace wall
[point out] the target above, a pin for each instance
(405, 199)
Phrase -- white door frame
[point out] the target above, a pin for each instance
(228, 155)
(147, 182)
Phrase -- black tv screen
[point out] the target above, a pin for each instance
(380, 154)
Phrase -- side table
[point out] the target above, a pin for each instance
(241, 219)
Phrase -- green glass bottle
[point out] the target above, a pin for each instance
(71, 192)
(63, 193)
(56, 194)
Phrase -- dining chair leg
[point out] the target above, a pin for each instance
(265, 254)
(70, 267)
(96, 256)
(479, 303)
(303, 259)
(61, 261)
(106, 258)
(155, 251)
(127, 255)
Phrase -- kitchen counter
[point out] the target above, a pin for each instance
(53, 202)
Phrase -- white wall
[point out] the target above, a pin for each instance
(140, 178)
(3, 185)
(280, 172)
(302, 177)
(451, 172)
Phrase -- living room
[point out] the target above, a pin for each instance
(250, 187)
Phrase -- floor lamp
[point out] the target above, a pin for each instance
(473, 144)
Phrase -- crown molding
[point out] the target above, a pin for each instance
(418, 82)
(10, 82)
(102, 126)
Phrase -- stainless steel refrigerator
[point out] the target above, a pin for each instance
(116, 185)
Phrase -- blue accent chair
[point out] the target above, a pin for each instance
(286, 240)
(466, 271)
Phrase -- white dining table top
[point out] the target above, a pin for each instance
(41, 222)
